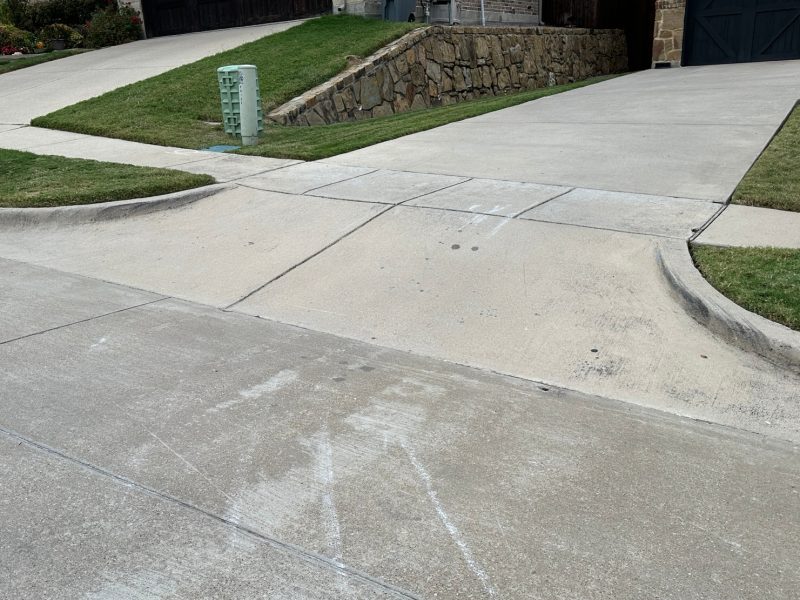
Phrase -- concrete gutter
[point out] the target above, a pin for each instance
(104, 211)
(728, 320)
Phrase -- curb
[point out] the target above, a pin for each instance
(104, 211)
(748, 331)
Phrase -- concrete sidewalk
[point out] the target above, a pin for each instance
(753, 226)
(41, 89)
(223, 167)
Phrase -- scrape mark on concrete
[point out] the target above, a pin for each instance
(455, 534)
(273, 384)
(98, 345)
(325, 478)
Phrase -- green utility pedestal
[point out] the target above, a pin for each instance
(241, 102)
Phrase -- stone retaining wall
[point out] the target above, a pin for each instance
(444, 65)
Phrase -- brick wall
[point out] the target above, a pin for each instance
(497, 11)
(501, 11)
(668, 32)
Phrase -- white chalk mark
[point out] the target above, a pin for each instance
(455, 534)
(326, 478)
(98, 343)
(205, 477)
(498, 227)
(479, 218)
(273, 384)
(177, 454)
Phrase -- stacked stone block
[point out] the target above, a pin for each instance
(668, 33)
(444, 65)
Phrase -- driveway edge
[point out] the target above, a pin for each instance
(723, 317)
(105, 211)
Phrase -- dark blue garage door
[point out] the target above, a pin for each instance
(168, 17)
(729, 31)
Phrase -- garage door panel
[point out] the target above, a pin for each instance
(168, 17)
(724, 31)
(777, 34)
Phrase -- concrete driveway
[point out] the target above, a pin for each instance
(690, 133)
(39, 90)
(471, 379)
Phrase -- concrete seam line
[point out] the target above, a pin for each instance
(447, 187)
(538, 204)
(318, 187)
(661, 236)
(708, 223)
(748, 331)
(308, 258)
(286, 547)
(235, 179)
(57, 327)
(105, 211)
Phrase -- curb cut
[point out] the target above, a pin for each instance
(104, 211)
(748, 331)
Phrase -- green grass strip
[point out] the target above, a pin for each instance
(14, 64)
(774, 180)
(765, 281)
(32, 180)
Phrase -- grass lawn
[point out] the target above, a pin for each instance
(174, 108)
(765, 281)
(31, 180)
(12, 64)
(774, 180)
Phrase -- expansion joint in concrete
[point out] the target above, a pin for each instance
(285, 547)
(708, 223)
(308, 258)
(94, 318)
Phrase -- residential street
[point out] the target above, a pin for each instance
(470, 376)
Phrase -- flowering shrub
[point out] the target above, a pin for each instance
(113, 25)
(59, 31)
(13, 39)
(33, 15)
